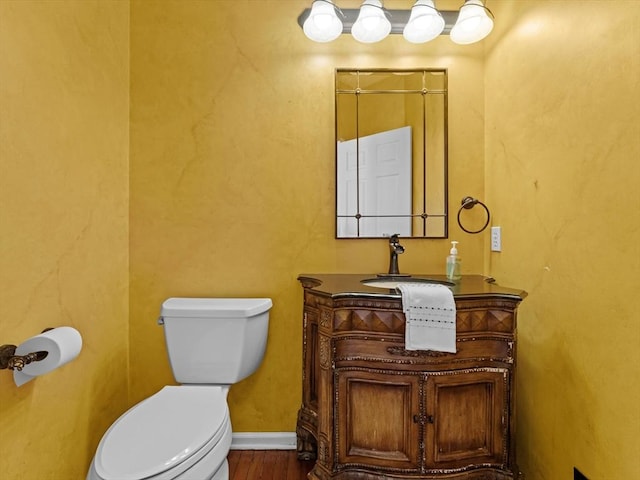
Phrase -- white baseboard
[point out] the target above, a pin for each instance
(263, 441)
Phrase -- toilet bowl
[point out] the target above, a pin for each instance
(167, 436)
(184, 432)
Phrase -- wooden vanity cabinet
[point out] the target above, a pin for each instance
(373, 410)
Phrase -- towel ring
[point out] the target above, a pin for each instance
(467, 204)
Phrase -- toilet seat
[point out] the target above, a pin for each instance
(165, 434)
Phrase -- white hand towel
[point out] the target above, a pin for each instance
(430, 312)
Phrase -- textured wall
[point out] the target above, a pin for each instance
(232, 174)
(64, 69)
(562, 151)
(232, 193)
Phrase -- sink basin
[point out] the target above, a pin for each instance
(393, 282)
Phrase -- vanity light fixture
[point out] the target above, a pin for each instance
(371, 23)
(474, 23)
(425, 23)
(323, 23)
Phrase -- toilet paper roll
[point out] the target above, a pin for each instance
(63, 344)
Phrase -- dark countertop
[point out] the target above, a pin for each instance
(343, 285)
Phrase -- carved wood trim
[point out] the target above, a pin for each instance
(304, 347)
(308, 416)
(325, 319)
(336, 419)
(420, 360)
(385, 371)
(325, 352)
(486, 302)
(323, 450)
(403, 356)
(369, 303)
(416, 353)
(421, 427)
(351, 465)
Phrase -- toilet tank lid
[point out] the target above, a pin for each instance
(215, 307)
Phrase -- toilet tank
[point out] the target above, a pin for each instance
(215, 340)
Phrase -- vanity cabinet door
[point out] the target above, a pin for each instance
(467, 413)
(375, 412)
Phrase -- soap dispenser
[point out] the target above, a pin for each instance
(453, 263)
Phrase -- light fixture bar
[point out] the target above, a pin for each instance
(398, 19)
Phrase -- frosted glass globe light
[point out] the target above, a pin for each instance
(322, 25)
(372, 24)
(425, 23)
(474, 23)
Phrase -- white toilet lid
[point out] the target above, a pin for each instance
(162, 432)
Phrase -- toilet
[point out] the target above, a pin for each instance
(183, 432)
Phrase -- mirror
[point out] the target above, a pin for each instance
(391, 153)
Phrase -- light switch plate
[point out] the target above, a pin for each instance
(496, 239)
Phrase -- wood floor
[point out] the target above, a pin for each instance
(267, 465)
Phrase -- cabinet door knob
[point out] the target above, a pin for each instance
(429, 418)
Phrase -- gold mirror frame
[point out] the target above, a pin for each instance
(381, 189)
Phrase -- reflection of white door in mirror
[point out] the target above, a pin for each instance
(381, 182)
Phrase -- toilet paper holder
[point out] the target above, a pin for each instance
(8, 358)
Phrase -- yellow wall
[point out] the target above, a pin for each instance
(63, 225)
(228, 184)
(563, 169)
(232, 175)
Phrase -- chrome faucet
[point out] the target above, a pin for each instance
(395, 249)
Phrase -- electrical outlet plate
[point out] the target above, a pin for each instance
(496, 239)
